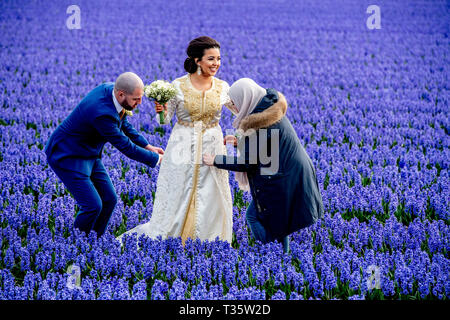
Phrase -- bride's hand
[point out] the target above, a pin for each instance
(208, 159)
(230, 139)
(160, 107)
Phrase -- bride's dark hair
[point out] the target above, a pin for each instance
(196, 49)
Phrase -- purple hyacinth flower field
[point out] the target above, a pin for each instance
(369, 105)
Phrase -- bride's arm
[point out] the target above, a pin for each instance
(168, 113)
(226, 99)
(172, 106)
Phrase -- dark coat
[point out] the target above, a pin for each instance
(79, 140)
(286, 198)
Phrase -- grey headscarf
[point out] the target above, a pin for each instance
(245, 94)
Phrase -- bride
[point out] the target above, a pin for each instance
(193, 200)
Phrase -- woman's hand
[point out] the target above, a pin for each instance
(230, 139)
(208, 159)
(160, 107)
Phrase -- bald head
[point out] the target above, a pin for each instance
(128, 82)
(129, 90)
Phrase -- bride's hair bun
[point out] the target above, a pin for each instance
(196, 49)
(189, 64)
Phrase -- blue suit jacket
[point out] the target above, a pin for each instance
(79, 140)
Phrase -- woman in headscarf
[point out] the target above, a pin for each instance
(272, 164)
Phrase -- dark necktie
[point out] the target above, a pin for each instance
(121, 114)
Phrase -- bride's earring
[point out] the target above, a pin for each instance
(199, 70)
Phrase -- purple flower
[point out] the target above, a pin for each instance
(387, 286)
(45, 292)
(178, 290)
(355, 280)
(356, 297)
(279, 295)
(373, 120)
(105, 291)
(295, 296)
(159, 290)
(139, 291)
(199, 291)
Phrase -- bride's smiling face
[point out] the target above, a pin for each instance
(210, 62)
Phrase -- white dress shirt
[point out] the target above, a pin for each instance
(119, 108)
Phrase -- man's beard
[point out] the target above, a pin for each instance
(126, 106)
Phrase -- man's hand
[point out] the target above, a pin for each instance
(230, 139)
(208, 159)
(154, 149)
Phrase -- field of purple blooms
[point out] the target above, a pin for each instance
(370, 107)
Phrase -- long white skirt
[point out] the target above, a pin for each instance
(188, 188)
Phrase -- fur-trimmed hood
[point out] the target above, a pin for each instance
(266, 118)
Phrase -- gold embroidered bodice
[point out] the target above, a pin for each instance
(192, 105)
(202, 106)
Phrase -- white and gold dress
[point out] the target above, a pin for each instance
(192, 200)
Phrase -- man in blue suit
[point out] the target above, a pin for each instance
(74, 150)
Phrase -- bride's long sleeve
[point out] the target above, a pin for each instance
(172, 105)
(227, 100)
(171, 108)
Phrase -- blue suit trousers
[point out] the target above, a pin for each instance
(94, 194)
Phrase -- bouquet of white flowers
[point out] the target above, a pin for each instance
(161, 91)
